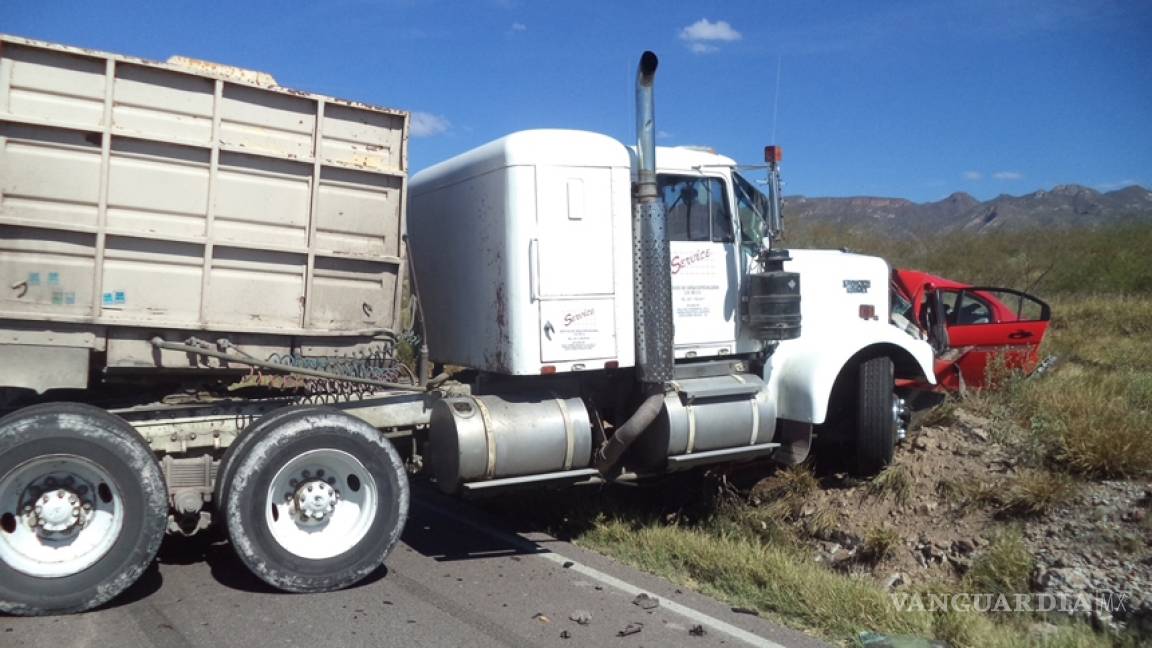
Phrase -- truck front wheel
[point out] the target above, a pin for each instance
(315, 501)
(83, 507)
(876, 417)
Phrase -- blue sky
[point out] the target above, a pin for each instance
(915, 99)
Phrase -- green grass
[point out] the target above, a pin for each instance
(782, 581)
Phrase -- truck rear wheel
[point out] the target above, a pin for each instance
(876, 417)
(249, 434)
(83, 508)
(315, 501)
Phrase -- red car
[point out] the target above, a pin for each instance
(969, 326)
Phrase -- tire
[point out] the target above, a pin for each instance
(249, 434)
(363, 485)
(875, 434)
(90, 455)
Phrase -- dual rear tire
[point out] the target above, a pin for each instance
(313, 499)
(83, 508)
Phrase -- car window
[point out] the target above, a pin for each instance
(971, 309)
(948, 299)
(697, 208)
(1024, 307)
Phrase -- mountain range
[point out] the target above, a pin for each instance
(1064, 206)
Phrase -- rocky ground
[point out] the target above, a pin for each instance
(952, 491)
(1100, 544)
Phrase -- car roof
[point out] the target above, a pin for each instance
(914, 280)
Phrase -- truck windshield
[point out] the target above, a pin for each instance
(753, 208)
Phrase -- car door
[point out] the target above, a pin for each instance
(990, 326)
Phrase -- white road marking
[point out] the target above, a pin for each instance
(611, 581)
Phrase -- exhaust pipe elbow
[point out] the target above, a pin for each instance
(614, 448)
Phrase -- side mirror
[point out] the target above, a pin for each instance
(934, 321)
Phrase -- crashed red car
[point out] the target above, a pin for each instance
(969, 326)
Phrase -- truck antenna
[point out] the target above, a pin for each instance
(776, 97)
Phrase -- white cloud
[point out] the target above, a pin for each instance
(703, 35)
(973, 175)
(428, 125)
(1008, 175)
(663, 134)
(519, 27)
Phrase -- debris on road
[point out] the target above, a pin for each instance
(630, 629)
(646, 602)
(541, 617)
(697, 630)
(583, 617)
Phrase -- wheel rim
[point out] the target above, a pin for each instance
(321, 504)
(59, 514)
(900, 416)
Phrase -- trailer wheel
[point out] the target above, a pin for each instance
(83, 508)
(316, 501)
(252, 432)
(876, 417)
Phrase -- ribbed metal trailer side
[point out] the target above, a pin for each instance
(191, 197)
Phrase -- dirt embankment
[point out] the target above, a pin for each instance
(952, 493)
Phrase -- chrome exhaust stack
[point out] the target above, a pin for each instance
(651, 274)
(651, 278)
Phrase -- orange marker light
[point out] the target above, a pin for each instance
(773, 154)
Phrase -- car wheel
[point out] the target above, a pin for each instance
(316, 501)
(83, 508)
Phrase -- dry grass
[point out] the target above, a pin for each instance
(1003, 568)
(896, 482)
(794, 484)
(962, 494)
(1035, 493)
(1093, 416)
(879, 544)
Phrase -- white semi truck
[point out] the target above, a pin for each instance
(201, 297)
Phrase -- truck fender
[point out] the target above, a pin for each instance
(803, 372)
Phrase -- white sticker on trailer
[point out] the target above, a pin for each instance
(580, 329)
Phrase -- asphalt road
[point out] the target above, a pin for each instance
(456, 580)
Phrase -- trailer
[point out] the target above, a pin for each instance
(219, 300)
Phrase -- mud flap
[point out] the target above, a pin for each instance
(795, 439)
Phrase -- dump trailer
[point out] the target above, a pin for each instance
(204, 320)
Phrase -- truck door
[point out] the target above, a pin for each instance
(705, 275)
